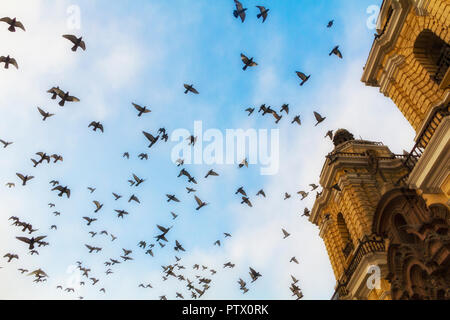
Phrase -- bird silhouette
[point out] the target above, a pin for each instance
(77, 42)
(96, 126)
(240, 11)
(141, 110)
(336, 52)
(247, 62)
(5, 143)
(62, 190)
(200, 203)
(319, 118)
(13, 24)
(190, 88)
(262, 13)
(302, 77)
(150, 138)
(24, 179)
(66, 97)
(8, 60)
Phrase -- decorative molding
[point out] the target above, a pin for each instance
(393, 64)
(329, 170)
(382, 45)
(421, 7)
(325, 226)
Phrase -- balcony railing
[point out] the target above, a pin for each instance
(348, 249)
(430, 128)
(366, 246)
(443, 64)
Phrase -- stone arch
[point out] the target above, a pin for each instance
(344, 235)
(412, 74)
(433, 54)
(418, 241)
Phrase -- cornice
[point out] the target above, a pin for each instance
(382, 45)
(393, 64)
(328, 175)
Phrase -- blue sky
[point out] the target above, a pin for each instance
(143, 52)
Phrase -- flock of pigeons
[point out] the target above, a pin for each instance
(176, 270)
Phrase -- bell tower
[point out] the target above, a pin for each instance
(354, 177)
(410, 63)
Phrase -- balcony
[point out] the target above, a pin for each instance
(443, 64)
(410, 161)
(367, 246)
(348, 249)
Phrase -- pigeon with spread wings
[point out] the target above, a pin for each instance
(77, 42)
(66, 97)
(5, 143)
(211, 173)
(336, 52)
(263, 13)
(13, 24)
(44, 114)
(190, 88)
(240, 11)
(247, 62)
(178, 246)
(8, 60)
(250, 111)
(172, 197)
(55, 91)
(302, 77)
(31, 241)
(98, 206)
(24, 179)
(297, 120)
(319, 118)
(62, 190)
(11, 256)
(141, 110)
(200, 203)
(96, 126)
(254, 274)
(150, 138)
(89, 220)
(138, 180)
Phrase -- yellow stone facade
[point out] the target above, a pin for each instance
(364, 184)
(354, 177)
(398, 67)
(403, 63)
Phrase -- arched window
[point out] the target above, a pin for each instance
(433, 53)
(345, 235)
